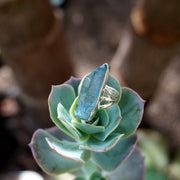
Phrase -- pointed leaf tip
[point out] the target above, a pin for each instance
(90, 90)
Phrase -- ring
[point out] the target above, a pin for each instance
(109, 97)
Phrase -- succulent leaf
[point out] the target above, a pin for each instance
(89, 168)
(74, 82)
(65, 118)
(132, 107)
(111, 159)
(95, 123)
(64, 94)
(101, 146)
(69, 150)
(88, 115)
(48, 160)
(72, 108)
(132, 168)
(103, 117)
(57, 133)
(97, 176)
(88, 128)
(80, 178)
(114, 115)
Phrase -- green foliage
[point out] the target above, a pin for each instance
(132, 168)
(153, 174)
(111, 159)
(97, 120)
(47, 159)
(158, 162)
(155, 149)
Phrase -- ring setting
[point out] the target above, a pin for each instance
(95, 94)
(108, 97)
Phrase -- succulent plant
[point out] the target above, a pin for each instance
(96, 121)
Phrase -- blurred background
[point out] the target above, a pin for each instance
(44, 42)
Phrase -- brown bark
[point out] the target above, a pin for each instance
(147, 45)
(32, 43)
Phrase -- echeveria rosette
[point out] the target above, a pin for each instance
(106, 136)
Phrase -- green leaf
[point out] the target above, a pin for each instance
(110, 160)
(72, 108)
(89, 168)
(97, 176)
(153, 174)
(47, 159)
(65, 118)
(74, 82)
(103, 117)
(88, 128)
(69, 150)
(58, 134)
(64, 94)
(132, 107)
(155, 148)
(113, 82)
(101, 146)
(95, 123)
(80, 178)
(90, 91)
(131, 169)
(114, 120)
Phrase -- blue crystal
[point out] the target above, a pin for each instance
(90, 92)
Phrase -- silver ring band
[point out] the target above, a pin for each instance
(109, 97)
